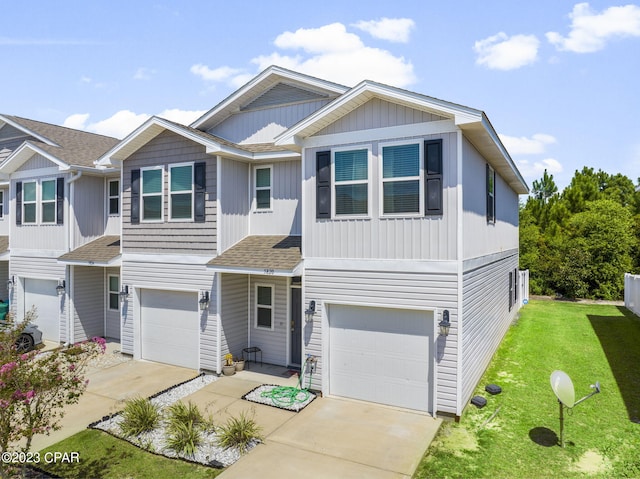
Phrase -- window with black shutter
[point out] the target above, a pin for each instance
(323, 184)
(433, 177)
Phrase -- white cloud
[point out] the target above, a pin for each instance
(501, 52)
(590, 31)
(123, 122)
(143, 73)
(527, 146)
(392, 29)
(329, 52)
(535, 169)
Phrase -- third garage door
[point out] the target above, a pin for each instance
(170, 327)
(381, 355)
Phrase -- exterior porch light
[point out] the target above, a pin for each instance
(310, 312)
(445, 324)
(60, 289)
(204, 300)
(124, 292)
(10, 283)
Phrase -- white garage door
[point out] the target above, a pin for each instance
(42, 294)
(170, 327)
(381, 355)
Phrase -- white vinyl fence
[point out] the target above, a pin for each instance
(632, 293)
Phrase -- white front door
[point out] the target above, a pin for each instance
(381, 355)
(42, 294)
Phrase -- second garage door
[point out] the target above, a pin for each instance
(381, 355)
(42, 294)
(170, 327)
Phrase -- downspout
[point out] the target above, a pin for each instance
(460, 262)
(70, 241)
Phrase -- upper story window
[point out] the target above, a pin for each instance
(29, 202)
(114, 197)
(401, 179)
(264, 306)
(351, 182)
(181, 192)
(48, 202)
(152, 189)
(263, 182)
(491, 195)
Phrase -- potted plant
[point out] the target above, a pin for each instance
(228, 368)
(239, 364)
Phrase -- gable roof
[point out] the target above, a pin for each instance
(213, 144)
(259, 85)
(64, 146)
(474, 124)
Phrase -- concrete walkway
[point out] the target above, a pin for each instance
(331, 437)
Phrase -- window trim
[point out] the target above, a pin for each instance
(420, 178)
(170, 193)
(34, 202)
(54, 201)
(271, 307)
(110, 197)
(143, 194)
(262, 188)
(109, 292)
(335, 183)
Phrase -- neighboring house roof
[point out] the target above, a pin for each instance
(277, 255)
(474, 123)
(100, 252)
(64, 146)
(259, 85)
(213, 144)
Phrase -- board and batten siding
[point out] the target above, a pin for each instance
(170, 275)
(377, 113)
(88, 302)
(88, 209)
(486, 316)
(170, 237)
(234, 203)
(479, 237)
(37, 267)
(234, 314)
(273, 343)
(284, 217)
(263, 125)
(388, 289)
(408, 237)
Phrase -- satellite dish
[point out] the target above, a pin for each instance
(563, 388)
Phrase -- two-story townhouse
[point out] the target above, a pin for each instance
(59, 204)
(304, 218)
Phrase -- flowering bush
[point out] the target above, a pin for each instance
(35, 387)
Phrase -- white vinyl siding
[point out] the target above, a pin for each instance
(152, 182)
(402, 179)
(1, 203)
(350, 170)
(234, 314)
(272, 342)
(263, 195)
(181, 192)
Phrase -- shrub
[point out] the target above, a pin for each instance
(180, 413)
(184, 437)
(139, 415)
(239, 432)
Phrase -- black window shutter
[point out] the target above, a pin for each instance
(510, 290)
(60, 201)
(323, 184)
(491, 199)
(200, 189)
(135, 197)
(19, 203)
(433, 177)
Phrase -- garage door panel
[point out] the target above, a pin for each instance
(170, 327)
(42, 294)
(380, 355)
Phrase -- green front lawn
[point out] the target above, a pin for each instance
(602, 435)
(103, 456)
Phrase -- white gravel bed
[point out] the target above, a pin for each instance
(208, 453)
(296, 402)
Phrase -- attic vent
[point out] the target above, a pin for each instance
(282, 94)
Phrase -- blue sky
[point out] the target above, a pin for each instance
(559, 80)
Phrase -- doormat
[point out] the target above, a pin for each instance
(283, 397)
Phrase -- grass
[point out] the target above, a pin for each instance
(602, 435)
(103, 456)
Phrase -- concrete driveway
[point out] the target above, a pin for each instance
(113, 379)
(331, 437)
